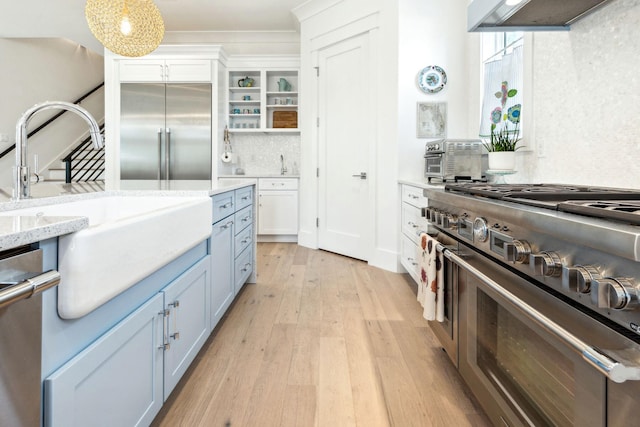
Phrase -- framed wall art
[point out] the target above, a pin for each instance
(431, 120)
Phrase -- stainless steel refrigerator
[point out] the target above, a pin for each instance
(165, 131)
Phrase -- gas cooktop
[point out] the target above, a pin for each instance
(602, 202)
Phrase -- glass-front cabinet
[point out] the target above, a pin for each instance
(263, 100)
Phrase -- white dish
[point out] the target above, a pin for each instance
(432, 79)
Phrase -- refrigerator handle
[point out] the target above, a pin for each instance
(167, 158)
(159, 152)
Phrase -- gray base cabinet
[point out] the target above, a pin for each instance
(124, 377)
(125, 374)
(186, 318)
(232, 242)
(222, 269)
(117, 380)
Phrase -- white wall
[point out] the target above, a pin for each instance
(37, 70)
(587, 102)
(432, 32)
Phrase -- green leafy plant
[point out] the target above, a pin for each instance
(504, 139)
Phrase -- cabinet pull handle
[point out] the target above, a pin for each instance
(165, 326)
(175, 336)
(226, 205)
(227, 225)
(175, 304)
(246, 267)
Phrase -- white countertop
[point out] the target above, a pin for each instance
(22, 230)
(420, 184)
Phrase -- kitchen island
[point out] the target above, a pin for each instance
(143, 339)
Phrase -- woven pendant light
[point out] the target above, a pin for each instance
(126, 27)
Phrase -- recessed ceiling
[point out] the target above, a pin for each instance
(65, 18)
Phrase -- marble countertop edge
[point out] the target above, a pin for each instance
(16, 231)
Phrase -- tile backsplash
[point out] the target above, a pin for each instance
(587, 102)
(259, 154)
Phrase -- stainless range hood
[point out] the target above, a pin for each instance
(527, 15)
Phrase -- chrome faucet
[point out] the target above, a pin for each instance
(283, 168)
(21, 184)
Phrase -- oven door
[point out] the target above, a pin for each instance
(521, 372)
(433, 167)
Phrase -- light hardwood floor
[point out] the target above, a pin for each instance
(321, 340)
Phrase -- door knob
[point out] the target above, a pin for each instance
(361, 175)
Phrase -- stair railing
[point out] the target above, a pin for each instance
(52, 119)
(93, 162)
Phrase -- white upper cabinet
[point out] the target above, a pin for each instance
(165, 70)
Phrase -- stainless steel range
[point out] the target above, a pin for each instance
(548, 281)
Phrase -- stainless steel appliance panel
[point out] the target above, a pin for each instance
(520, 372)
(20, 335)
(188, 131)
(165, 131)
(142, 123)
(20, 338)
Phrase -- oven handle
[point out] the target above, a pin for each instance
(614, 370)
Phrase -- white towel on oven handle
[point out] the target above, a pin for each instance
(431, 287)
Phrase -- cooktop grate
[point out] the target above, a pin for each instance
(622, 210)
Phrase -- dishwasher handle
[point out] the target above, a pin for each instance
(29, 287)
(614, 370)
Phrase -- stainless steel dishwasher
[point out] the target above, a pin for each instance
(21, 284)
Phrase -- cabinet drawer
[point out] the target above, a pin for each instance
(244, 267)
(413, 223)
(243, 218)
(409, 257)
(414, 196)
(278, 184)
(223, 205)
(244, 197)
(243, 240)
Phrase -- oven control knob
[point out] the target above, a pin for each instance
(619, 293)
(450, 221)
(546, 264)
(431, 215)
(480, 229)
(517, 251)
(579, 278)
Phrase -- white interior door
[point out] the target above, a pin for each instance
(345, 136)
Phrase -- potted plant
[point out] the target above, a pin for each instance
(502, 144)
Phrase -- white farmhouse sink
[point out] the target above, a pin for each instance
(128, 238)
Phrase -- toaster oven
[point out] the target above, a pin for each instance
(454, 159)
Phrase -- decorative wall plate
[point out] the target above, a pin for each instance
(432, 79)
